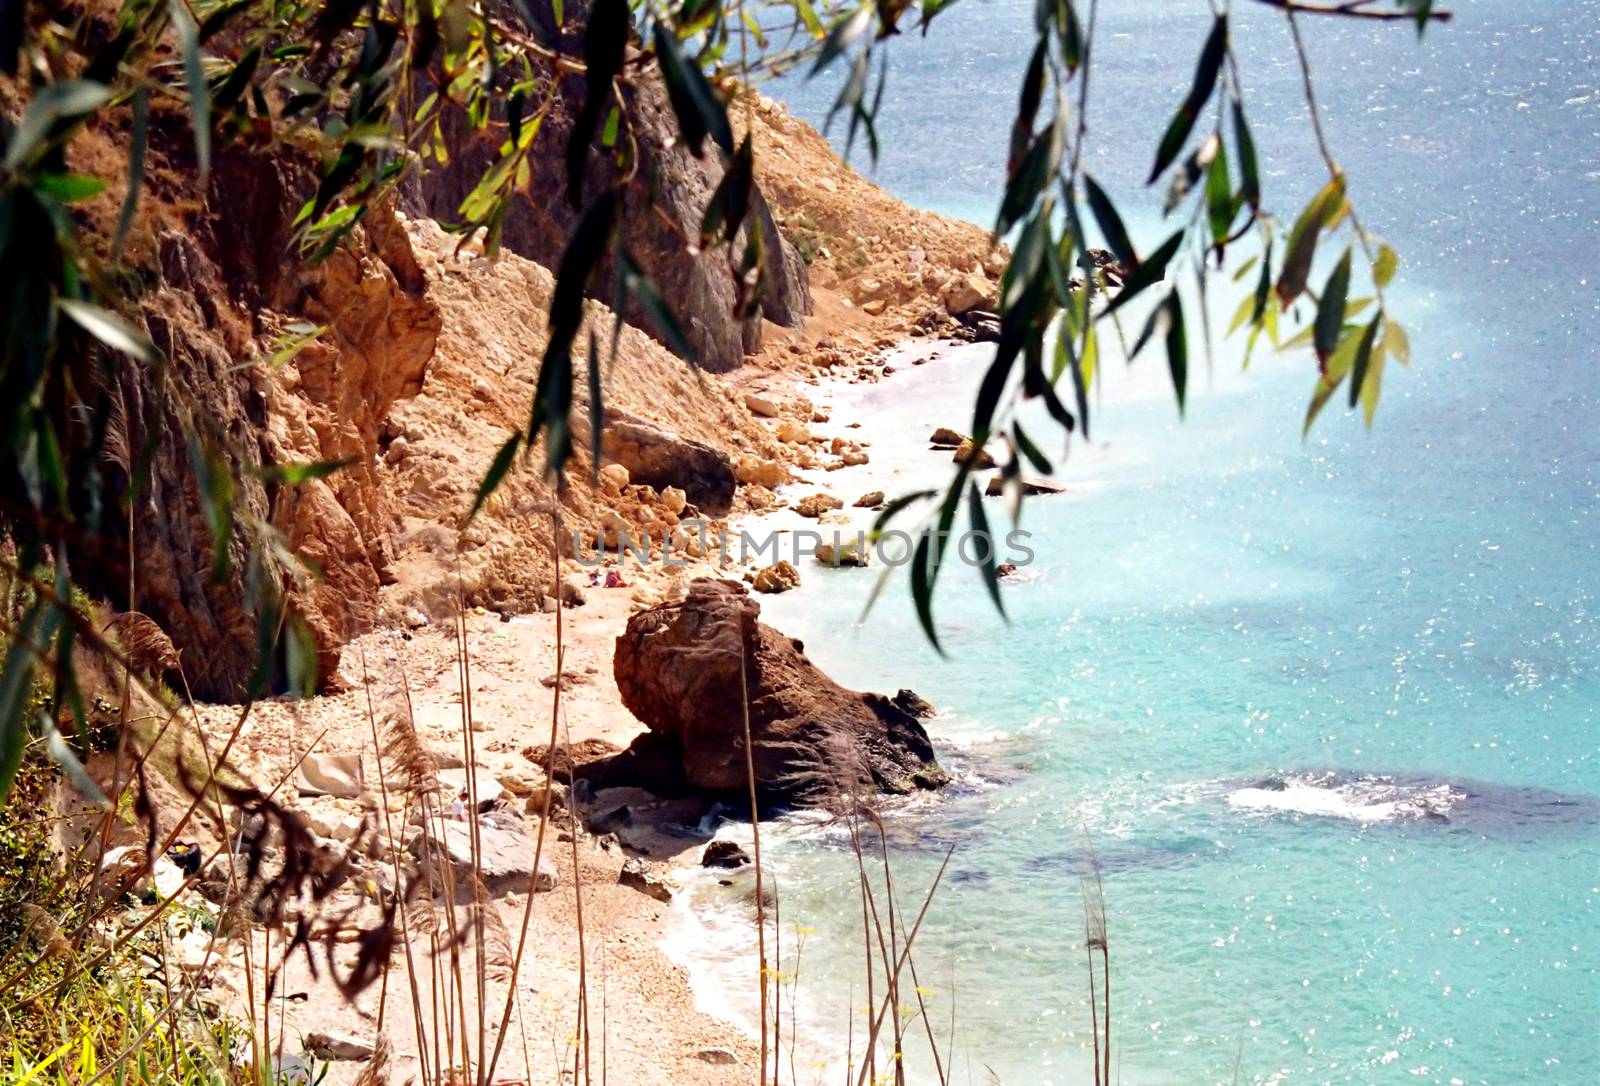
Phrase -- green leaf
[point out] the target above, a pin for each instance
(696, 104)
(109, 329)
(552, 397)
(1030, 179)
(502, 464)
(1033, 84)
(1337, 369)
(980, 528)
(1385, 266)
(729, 204)
(1324, 209)
(69, 99)
(1245, 145)
(69, 188)
(1205, 80)
(841, 37)
(893, 509)
(1330, 308)
(63, 754)
(1396, 343)
(605, 41)
(1148, 273)
(1177, 350)
(1219, 198)
(644, 291)
(139, 142)
(31, 633)
(924, 571)
(1358, 368)
(194, 73)
(296, 474)
(1105, 214)
(1031, 451)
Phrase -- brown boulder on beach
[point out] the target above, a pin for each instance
(679, 667)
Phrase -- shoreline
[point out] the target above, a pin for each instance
(665, 1021)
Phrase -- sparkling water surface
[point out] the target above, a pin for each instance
(1323, 710)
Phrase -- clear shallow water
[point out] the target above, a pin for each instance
(1325, 710)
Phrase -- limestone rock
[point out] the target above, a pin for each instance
(778, 577)
(662, 459)
(338, 775)
(761, 405)
(755, 471)
(327, 1045)
(505, 857)
(967, 453)
(639, 875)
(968, 292)
(814, 505)
(849, 552)
(1030, 486)
(678, 668)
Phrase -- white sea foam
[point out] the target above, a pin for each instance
(1363, 800)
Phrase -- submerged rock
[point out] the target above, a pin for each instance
(724, 854)
(679, 667)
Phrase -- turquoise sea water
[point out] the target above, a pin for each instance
(1324, 710)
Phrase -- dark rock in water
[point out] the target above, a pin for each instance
(690, 669)
(1006, 569)
(914, 703)
(724, 854)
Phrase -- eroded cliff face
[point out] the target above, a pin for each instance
(227, 285)
(664, 202)
(427, 361)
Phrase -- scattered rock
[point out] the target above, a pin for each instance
(660, 458)
(337, 1046)
(760, 405)
(968, 292)
(1030, 486)
(778, 577)
(505, 857)
(870, 500)
(720, 1056)
(755, 471)
(914, 703)
(945, 438)
(814, 505)
(613, 478)
(645, 879)
(851, 553)
(453, 784)
(792, 432)
(967, 453)
(724, 854)
(338, 775)
(678, 668)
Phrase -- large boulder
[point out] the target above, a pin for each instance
(662, 459)
(679, 667)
